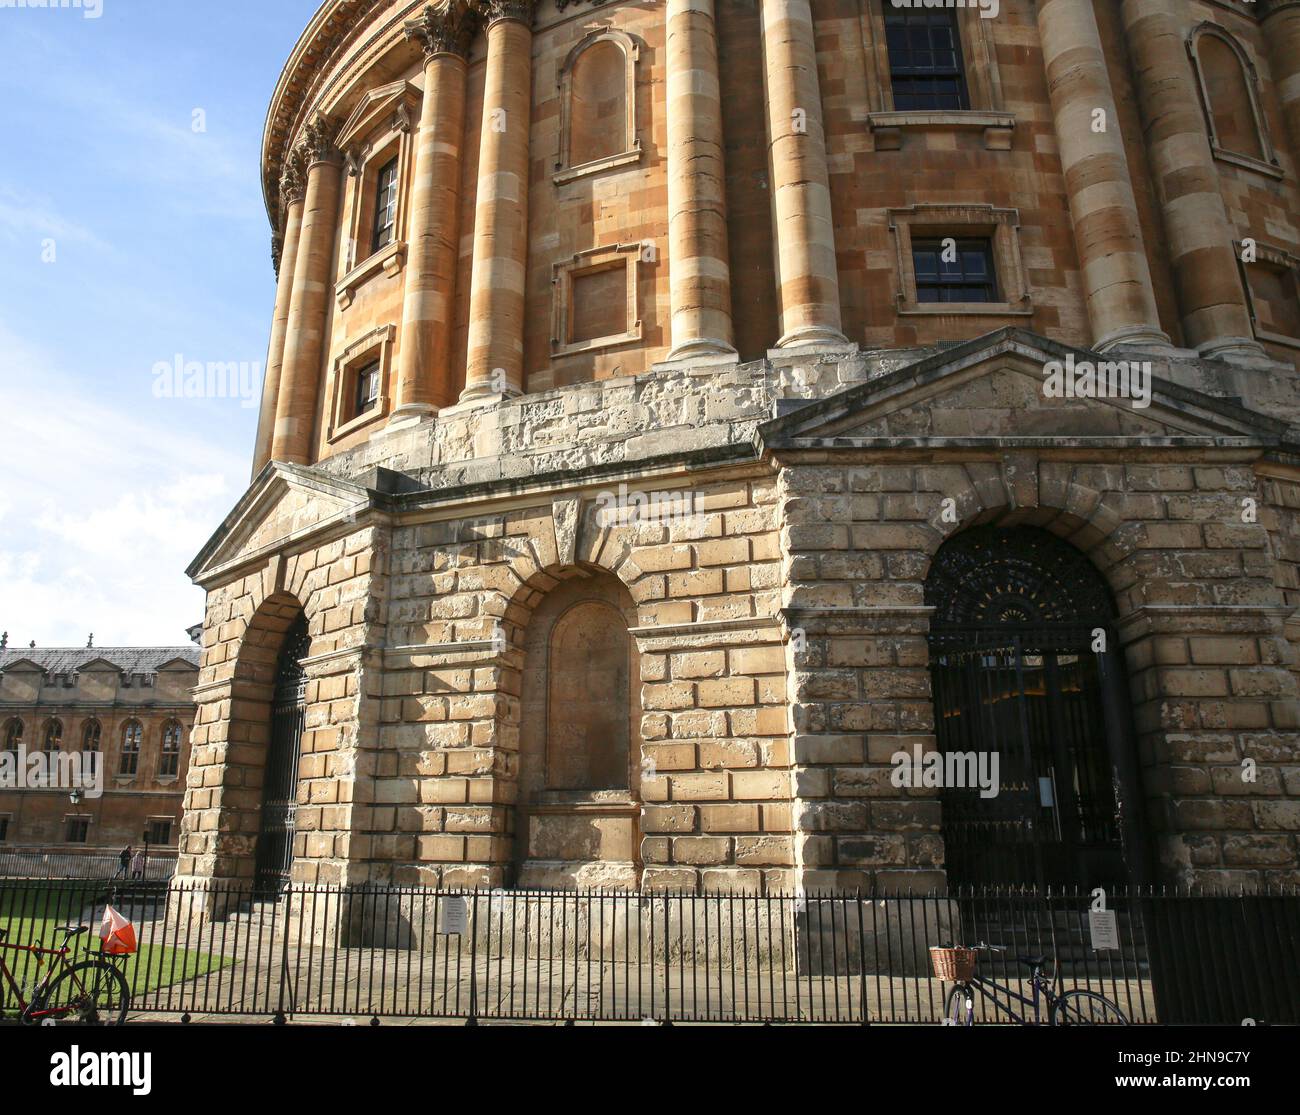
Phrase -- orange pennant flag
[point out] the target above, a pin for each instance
(117, 933)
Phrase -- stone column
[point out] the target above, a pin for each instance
(300, 379)
(292, 188)
(1282, 34)
(807, 277)
(495, 358)
(1116, 276)
(424, 378)
(698, 261)
(1211, 299)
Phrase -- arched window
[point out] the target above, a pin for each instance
(90, 736)
(1026, 670)
(132, 738)
(598, 105)
(13, 734)
(1230, 90)
(170, 764)
(53, 735)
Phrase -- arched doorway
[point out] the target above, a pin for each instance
(1025, 666)
(274, 852)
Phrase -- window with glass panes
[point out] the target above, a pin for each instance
(367, 389)
(925, 62)
(132, 737)
(78, 830)
(958, 271)
(385, 207)
(170, 764)
(160, 831)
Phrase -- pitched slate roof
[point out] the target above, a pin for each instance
(130, 660)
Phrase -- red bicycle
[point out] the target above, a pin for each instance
(92, 992)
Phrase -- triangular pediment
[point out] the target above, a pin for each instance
(1014, 387)
(399, 98)
(99, 666)
(23, 666)
(286, 505)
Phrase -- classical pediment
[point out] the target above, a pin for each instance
(399, 100)
(1015, 388)
(286, 505)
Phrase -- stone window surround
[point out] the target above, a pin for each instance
(1279, 260)
(377, 343)
(1001, 226)
(381, 128)
(582, 263)
(68, 818)
(983, 84)
(632, 52)
(1270, 164)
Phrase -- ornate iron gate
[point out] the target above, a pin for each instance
(280, 782)
(1024, 665)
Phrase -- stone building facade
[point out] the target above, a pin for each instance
(129, 707)
(676, 413)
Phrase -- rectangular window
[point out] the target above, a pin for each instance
(366, 397)
(78, 830)
(955, 271)
(4, 829)
(385, 207)
(925, 62)
(160, 832)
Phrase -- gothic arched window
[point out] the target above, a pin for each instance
(170, 765)
(132, 738)
(598, 105)
(13, 734)
(90, 736)
(53, 735)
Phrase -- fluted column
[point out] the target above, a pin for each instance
(1282, 35)
(1211, 300)
(300, 378)
(698, 263)
(495, 358)
(424, 376)
(807, 277)
(1116, 276)
(292, 188)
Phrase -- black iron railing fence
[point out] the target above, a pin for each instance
(19, 863)
(219, 949)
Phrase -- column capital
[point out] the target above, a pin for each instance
(494, 11)
(443, 28)
(317, 142)
(293, 183)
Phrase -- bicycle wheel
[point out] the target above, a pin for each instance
(90, 993)
(960, 1007)
(1085, 1008)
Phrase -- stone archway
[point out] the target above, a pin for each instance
(1026, 672)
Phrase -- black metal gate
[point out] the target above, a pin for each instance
(280, 782)
(1025, 669)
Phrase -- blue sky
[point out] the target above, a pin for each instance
(132, 231)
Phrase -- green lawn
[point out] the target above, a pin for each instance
(33, 912)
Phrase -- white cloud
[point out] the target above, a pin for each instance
(102, 509)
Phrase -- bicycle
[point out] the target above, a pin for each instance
(1064, 1008)
(91, 992)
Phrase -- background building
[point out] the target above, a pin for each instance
(785, 278)
(134, 708)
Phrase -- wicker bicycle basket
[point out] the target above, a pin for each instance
(956, 965)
